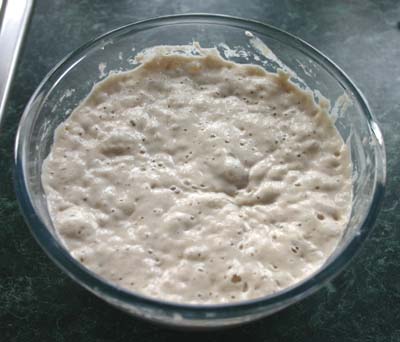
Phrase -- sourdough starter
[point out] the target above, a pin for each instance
(197, 180)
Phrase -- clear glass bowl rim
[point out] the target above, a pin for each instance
(91, 281)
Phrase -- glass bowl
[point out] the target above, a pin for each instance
(73, 78)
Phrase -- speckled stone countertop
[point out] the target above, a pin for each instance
(40, 303)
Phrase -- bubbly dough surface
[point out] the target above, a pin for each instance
(197, 180)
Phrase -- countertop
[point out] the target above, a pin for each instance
(38, 302)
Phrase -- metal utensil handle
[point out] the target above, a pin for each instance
(14, 17)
